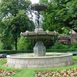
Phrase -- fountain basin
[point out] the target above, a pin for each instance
(39, 34)
(31, 61)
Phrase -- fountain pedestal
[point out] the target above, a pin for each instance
(39, 49)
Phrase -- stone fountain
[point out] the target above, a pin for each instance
(39, 58)
(38, 33)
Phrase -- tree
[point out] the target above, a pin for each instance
(53, 15)
(60, 13)
(71, 18)
(14, 18)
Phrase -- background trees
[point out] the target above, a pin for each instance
(14, 20)
(60, 14)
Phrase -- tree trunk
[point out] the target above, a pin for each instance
(16, 42)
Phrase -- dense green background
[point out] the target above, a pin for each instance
(61, 16)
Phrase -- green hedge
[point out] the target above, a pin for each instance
(61, 50)
(14, 51)
(31, 51)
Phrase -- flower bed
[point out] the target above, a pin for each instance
(7, 73)
(62, 73)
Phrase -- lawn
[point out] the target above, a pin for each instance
(74, 58)
(25, 72)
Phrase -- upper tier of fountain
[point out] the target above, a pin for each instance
(38, 32)
(38, 7)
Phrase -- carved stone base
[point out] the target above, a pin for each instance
(39, 49)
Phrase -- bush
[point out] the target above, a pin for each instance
(73, 46)
(60, 46)
(61, 50)
(7, 47)
(14, 51)
(23, 44)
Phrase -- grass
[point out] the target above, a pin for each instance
(25, 72)
(74, 58)
(31, 72)
(2, 61)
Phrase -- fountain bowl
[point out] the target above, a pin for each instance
(38, 7)
(29, 60)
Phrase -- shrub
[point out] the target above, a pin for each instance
(73, 46)
(60, 46)
(14, 51)
(7, 46)
(61, 50)
(23, 43)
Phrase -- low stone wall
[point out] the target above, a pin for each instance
(39, 62)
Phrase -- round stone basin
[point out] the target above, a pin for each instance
(28, 60)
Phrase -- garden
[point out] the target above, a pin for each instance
(68, 71)
(60, 17)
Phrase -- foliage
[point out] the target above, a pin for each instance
(73, 46)
(48, 43)
(68, 47)
(60, 13)
(1, 45)
(60, 50)
(23, 44)
(7, 42)
(65, 30)
(14, 51)
(14, 18)
(60, 46)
